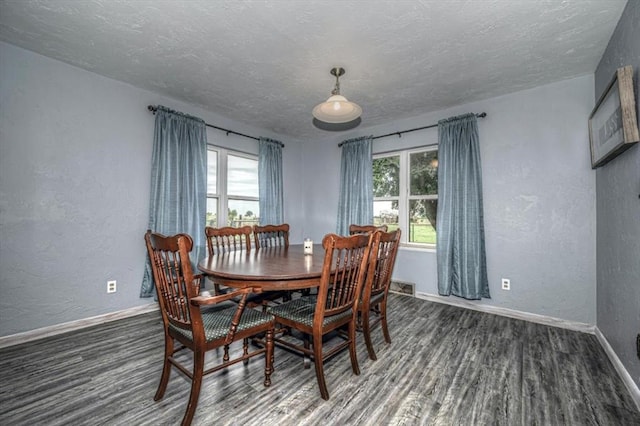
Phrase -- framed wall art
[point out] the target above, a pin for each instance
(613, 126)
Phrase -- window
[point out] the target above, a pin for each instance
(405, 193)
(232, 188)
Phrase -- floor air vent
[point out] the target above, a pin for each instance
(401, 287)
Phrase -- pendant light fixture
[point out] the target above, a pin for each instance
(337, 113)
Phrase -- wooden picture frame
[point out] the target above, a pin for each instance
(613, 127)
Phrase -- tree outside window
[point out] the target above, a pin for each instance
(405, 191)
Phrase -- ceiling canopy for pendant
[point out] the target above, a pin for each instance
(337, 113)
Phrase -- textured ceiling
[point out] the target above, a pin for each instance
(266, 63)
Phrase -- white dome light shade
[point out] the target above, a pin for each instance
(337, 109)
(336, 113)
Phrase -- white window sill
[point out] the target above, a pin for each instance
(418, 247)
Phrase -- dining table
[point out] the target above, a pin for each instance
(266, 268)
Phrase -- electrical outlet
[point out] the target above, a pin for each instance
(111, 286)
(506, 284)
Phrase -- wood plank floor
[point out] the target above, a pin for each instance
(446, 366)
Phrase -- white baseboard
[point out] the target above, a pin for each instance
(52, 330)
(622, 371)
(511, 313)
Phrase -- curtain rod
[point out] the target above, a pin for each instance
(479, 115)
(153, 109)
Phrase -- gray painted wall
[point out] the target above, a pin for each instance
(539, 197)
(618, 211)
(75, 152)
(74, 179)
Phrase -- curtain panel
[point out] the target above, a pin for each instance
(461, 258)
(355, 204)
(178, 182)
(270, 182)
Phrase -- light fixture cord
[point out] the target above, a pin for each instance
(336, 90)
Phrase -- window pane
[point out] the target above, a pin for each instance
(422, 221)
(212, 172)
(386, 213)
(243, 212)
(212, 212)
(242, 177)
(423, 172)
(386, 176)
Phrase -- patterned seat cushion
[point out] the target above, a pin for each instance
(302, 309)
(216, 323)
(377, 298)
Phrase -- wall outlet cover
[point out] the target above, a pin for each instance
(506, 284)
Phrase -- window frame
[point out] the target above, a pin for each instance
(222, 194)
(404, 188)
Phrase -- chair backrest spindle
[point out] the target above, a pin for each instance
(271, 235)
(343, 272)
(379, 275)
(173, 276)
(226, 239)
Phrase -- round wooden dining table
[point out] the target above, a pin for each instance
(267, 268)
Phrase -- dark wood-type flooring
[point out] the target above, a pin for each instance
(446, 366)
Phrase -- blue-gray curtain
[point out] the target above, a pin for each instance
(178, 182)
(462, 266)
(355, 204)
(270, 182)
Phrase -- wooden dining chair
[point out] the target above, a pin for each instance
(187, 321)
(373, 305)
(271, 235)
(365, 229)
(224, 240)
(335, 306)
(228, 238)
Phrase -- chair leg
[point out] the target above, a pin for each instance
(306, 362)
(352, 348)
(383, 321)
(225, 357)
(245, 350)
(366, 331)
(317, 357)
(196, 382)
(268, 358)
(166, 368)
